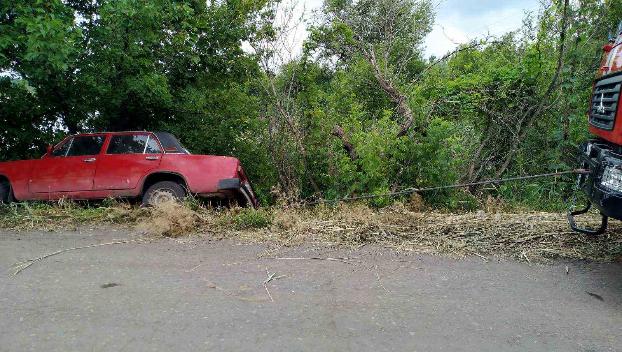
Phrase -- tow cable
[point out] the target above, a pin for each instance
(457, 185)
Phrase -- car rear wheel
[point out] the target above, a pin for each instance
(162, 192)
(5, 192)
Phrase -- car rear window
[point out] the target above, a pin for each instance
(170, 143)
(133, 144)
(85, 145)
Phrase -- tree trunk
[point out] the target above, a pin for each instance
(397, 97)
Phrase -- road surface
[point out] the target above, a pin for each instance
(202, 295)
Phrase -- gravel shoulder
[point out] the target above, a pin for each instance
(196, 294)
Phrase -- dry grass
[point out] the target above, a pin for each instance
(525, 236)
(169, 219)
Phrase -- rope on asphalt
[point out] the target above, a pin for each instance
(458, 185)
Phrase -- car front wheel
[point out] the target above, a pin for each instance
(162, 192)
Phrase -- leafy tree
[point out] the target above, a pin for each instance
(37, 48)
(131, 64)
(360, 111)
(388, 34)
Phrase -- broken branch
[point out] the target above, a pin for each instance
(26, 264)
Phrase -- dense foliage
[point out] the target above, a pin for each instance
(360, 111)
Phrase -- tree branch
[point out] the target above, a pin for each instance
(347, 146)
(394, 94)
(528, 117)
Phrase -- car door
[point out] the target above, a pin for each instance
(128, 158)
(69, 168)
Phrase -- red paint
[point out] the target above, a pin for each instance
(611, 64)
(117, 175)
(59, 174)
(614, 136)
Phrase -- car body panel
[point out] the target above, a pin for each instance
(62, 174)
(135, 166)
(18, 174)
(195, 168)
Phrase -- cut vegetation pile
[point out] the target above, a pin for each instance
(526, 236)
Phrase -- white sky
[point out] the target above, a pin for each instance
(458, 21)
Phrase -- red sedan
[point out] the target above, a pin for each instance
(154, 166)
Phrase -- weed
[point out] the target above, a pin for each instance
(248, 218)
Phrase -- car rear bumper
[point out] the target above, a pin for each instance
(229, 184)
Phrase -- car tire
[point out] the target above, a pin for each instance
(162, 192)
(5, 193)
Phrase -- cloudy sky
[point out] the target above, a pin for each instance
(458, 21)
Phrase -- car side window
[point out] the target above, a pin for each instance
(152, 146)
(133, 144)
(62, 149)
(86, 145)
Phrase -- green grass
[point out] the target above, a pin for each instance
(251, 219)
(541, 196)
(50, 216)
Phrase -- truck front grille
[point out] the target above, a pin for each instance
(605, 99)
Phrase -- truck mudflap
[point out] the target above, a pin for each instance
(602, 160)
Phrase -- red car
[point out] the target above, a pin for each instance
(154, 166)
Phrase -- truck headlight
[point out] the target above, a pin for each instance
(612, 178)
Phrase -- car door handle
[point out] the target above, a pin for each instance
(152, 158)
(90, 160)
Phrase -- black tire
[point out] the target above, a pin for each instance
(163, 191)
(5, 192)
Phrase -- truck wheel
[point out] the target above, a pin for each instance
(5, 192)
(162, 192)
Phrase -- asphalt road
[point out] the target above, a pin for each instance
(200, 295)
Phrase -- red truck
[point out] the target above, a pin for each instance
(602, 156)
(154, 166)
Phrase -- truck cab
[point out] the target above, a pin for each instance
(602, 155)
